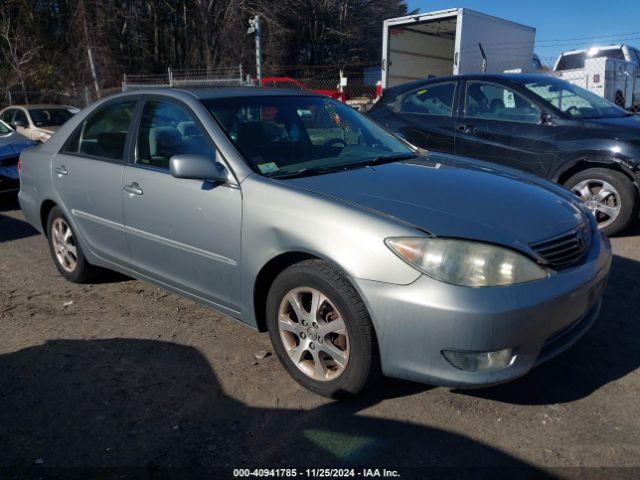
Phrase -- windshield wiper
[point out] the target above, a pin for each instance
(341, 167)
(305, 172)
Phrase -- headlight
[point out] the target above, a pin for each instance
(462, 262)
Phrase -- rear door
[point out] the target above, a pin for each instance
(425, 116)
(503, 126)
(87, 176)
(184, 233)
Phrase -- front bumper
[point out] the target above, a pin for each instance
(540, 319)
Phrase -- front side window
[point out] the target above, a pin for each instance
(430, 100)
(104, 133)
(289, 135)
(167, 129)
(495, 102)
(571, 99)
(49, 117)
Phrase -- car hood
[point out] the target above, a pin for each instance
(13, 143)
(453, 197)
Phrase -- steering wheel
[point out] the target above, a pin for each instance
(571, 108)
(333, 141)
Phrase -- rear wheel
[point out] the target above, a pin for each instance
(609, 194)
(65, 249)
(321, 330)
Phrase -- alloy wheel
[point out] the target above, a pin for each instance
(601, 198)
(64, 245)
(314, 333)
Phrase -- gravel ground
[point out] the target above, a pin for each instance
(126, 376)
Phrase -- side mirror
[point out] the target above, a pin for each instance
(18, 124)
(546, 119)
(197, 167)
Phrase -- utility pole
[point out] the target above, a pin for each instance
(254, 27)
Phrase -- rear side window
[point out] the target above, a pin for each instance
(430, 100)
(104, 133)
(167, 129)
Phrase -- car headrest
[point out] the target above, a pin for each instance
(251, 133)
(188, 129)
(163, 139)
(111, 144)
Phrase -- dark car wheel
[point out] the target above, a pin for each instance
(609, 194)
(65, 249)
(619, 99)
(321, 330)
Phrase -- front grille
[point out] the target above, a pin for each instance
(564, 250)
(9, 161)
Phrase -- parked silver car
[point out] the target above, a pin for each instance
(295, 214)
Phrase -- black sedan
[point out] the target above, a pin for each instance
(536, 123)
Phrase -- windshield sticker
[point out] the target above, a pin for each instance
(268, 167)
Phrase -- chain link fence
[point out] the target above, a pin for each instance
(219, 77)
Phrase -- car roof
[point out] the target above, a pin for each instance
(225, 92)
(499, 77)
(39, 105)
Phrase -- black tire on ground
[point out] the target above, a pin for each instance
(83, 271)
(626, 191)
(363, 366)
(619, 99)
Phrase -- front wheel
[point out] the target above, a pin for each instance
(321, 330)
(609, 194)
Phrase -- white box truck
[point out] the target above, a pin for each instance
(447, 42)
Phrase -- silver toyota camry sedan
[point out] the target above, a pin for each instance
(298, 216)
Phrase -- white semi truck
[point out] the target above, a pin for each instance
(453, 42)
(613, 72)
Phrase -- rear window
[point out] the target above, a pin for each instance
(574, 61)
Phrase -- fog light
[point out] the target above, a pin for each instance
(479, 361)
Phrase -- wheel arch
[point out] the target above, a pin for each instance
(45, 208)
(272, 268)
(581, 164)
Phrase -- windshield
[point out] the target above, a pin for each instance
(278, 135)
(571, 61)
(49, 117)
(571, 99)
(4, 128)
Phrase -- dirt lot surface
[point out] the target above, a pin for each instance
(125, 375)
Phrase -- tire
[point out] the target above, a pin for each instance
(81, 271)
(357, 342)
(625, 197)
(619, 99)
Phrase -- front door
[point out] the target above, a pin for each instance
(502, 126)
(184, 233)
(87, 176)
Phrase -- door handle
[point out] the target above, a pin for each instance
(133, 189)
(470, 129)
(62, 171)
